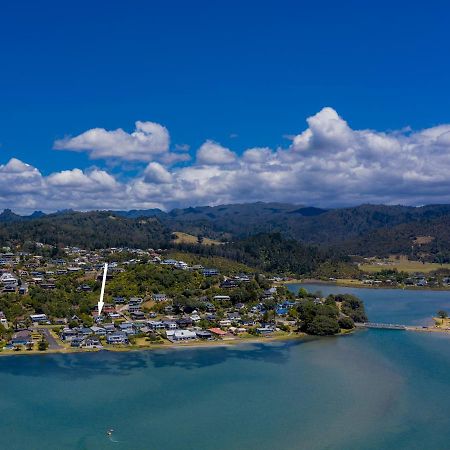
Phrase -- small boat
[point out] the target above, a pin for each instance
(110, 432)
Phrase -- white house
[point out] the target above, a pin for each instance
(180, 335)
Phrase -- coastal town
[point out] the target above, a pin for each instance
(49, 303)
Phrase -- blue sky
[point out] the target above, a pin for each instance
(241, 74)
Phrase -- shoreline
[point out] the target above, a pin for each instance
(358, 285)
(164, 346)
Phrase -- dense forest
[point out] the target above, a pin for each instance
(312, 233)
(89, 230)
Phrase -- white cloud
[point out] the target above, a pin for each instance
(213, 153)
(145, 143)
(156, 173)
(94, 180)
(328, 164)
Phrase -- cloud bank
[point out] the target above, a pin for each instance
(328, 164)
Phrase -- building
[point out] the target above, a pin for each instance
(117, 338)
(39, 318)
(181, 335)
(210, 272)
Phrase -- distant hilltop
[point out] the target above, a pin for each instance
(366, 230)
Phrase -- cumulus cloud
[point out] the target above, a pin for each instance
(328, 164)
(94, 180)
(145, 143)
(212, 153)
(156, 173)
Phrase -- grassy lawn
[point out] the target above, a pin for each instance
(185, 238)
(218, 262)
(349, 281)
(402, 265)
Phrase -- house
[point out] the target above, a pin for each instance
(218, 332)
(85, 288)
(221, 298)
(156, 325)
(228, 284)
(109, 327)
(91, 343)
(126, 327)
(138, 315)
(204, 334)
(184, 322)
(119, 300)
(181, 265)
(265, 330)
(225, 323)
(85, 331)
(169, 262)
(22, 337)
(9, 288)
(170, 325)
(210, 272)
(68, 334)
(258, 308)
(77, 341)
(7, 278)
(39, 318)
(234, 316)
(280, 311)
(237, 330)
(117, 338)
(132, 308)
(181, 335)
(3, 320)
(99, 331)
(243, 278)
(270, 292)
(159, 297)
(23, 289)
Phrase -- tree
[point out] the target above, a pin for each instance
(323, 326)
(43, 345)
(442, 314)
(346, 323)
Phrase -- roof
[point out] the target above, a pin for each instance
(217, 331)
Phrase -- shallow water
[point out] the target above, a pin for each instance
(374, 389)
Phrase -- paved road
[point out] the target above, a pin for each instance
(52, 342)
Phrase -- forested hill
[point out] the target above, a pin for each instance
(89, 230)
(365, 230)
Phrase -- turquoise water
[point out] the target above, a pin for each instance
(375, 389)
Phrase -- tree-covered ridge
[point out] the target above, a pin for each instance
(367, 230)
(91, 230)
(271, 252)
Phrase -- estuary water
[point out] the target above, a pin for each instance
(374, 389)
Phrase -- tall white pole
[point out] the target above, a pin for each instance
(102, 292)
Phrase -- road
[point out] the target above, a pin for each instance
(52, 342)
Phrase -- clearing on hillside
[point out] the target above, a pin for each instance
(401, 263)
(185, 238)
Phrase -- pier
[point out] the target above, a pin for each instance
(402, 327)
(385, 326)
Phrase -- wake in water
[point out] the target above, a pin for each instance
(110, 436)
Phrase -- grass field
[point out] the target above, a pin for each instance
(402, 265)
(185, 238)
(223, 264)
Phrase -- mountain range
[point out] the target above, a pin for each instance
(366, 230)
